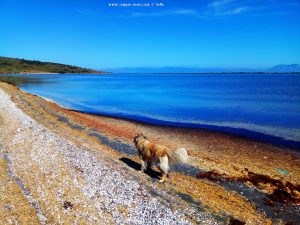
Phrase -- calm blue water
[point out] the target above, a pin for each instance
(264, 107)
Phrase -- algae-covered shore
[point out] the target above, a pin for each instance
(61, 166)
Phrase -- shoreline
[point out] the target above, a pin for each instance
(258, 133)
(220, 154)
(238, 132)
(116, 119)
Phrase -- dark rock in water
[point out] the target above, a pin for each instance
(67, 205)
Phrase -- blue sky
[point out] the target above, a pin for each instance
(202, 33)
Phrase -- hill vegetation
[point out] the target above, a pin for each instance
(21, 66)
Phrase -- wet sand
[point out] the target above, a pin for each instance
(227, 176)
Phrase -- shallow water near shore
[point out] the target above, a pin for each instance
(262, 107)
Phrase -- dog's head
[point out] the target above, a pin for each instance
(138, 137)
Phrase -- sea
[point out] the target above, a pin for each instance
(264, 107)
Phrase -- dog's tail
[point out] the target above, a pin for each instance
(179, 155)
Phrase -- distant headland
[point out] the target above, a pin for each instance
(278, 69)
(23, 66)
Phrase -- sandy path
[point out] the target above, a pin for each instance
(59, 181)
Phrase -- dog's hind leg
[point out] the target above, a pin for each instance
(164, 167)
(149, 165)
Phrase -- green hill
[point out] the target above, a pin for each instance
(16, 66)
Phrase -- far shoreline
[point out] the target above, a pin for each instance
(166, 73)
(49, 73)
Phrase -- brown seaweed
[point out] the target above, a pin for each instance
(282, 192)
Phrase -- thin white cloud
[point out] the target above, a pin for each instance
(187, 12)
(221, 3)
(250, 7)
(234, 11)
(226, 7)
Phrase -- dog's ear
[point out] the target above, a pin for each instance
(144, 136)
(135, 135)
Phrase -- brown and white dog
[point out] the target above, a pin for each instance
(155, 153)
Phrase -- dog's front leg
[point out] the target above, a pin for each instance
(143, 165)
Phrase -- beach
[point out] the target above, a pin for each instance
(62, 166)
